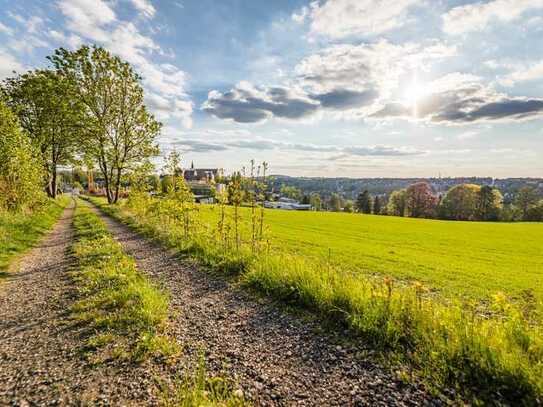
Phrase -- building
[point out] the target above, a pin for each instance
(201, 175)
(287, 204)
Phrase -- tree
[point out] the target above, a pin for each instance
(315, 201)
(397, 203)
(51, 113)
(489, 203)
(119, 131)
(377, 206)
(363, 202)
(290, 192)
(525, 199)
(20, 172)
(460, 202)
(535, 212)
(335, 202)
(420, 200)
(305, 200)
(348, 206)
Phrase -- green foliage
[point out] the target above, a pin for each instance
(448, 343)
(315, 201)
(335, 202)
(20, 174)
(20, 231)
(200, 390)
(526, 199)
(397, 203)
(489, 203)
(51, 114)
(117, 130)
(125, 313)
(363, 202)
(377, 206)
(461, 202)
(348, 206)
(290, 192)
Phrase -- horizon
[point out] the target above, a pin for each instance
(395, 89)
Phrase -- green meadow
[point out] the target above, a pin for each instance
(469, 259)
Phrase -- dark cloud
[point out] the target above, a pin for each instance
(466, 103)
(346, 99)
(250, 105)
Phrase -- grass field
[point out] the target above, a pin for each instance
(472, 259)
(20, 231)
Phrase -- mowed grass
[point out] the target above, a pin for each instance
(471, 259)
(20, 231)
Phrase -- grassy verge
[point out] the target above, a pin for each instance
(197, 389)
(21, 231)
(125, 313)
(493, 356)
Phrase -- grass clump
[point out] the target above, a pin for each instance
(19, 231)
(197, 389)
(126, 313)
(488, 355)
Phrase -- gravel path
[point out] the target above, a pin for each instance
(40, 358)
(277, 358)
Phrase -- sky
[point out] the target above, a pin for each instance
(350, 88)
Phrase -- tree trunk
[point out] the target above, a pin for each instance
(117, 185)
(54, 181)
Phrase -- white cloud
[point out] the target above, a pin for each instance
(367, 66)
(5, 29)
(144, 7)
(88, 17)
(300, 16)
(8, 64)
(476, 17)
(342, 18)
(72, 40)
(97, 21)
(523, 74)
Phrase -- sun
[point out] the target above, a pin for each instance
(414, 92)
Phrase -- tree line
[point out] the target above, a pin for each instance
(87, 108)
(466, 202)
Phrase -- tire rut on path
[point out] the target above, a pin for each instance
(40, 354)
(275, 357)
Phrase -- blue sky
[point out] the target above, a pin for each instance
(355, 88)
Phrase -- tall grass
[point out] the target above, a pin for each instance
(125, 313)
(197, 389)
(20, 231)
(495, 355)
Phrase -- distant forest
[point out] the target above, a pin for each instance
(349, 188)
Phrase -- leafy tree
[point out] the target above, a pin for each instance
(119, 131)
(335, 202)
(489, 203)
(315, 201)
(535, 213)
(377, 206)
(420, 200)
(363, 202)
(397, 203)
(348, 206)
(290, 192)
(20, 172)
(166, 184)
(461, 202)
(51, 113)
(525, 199)
(306, 200)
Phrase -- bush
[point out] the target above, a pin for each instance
(20, 172)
